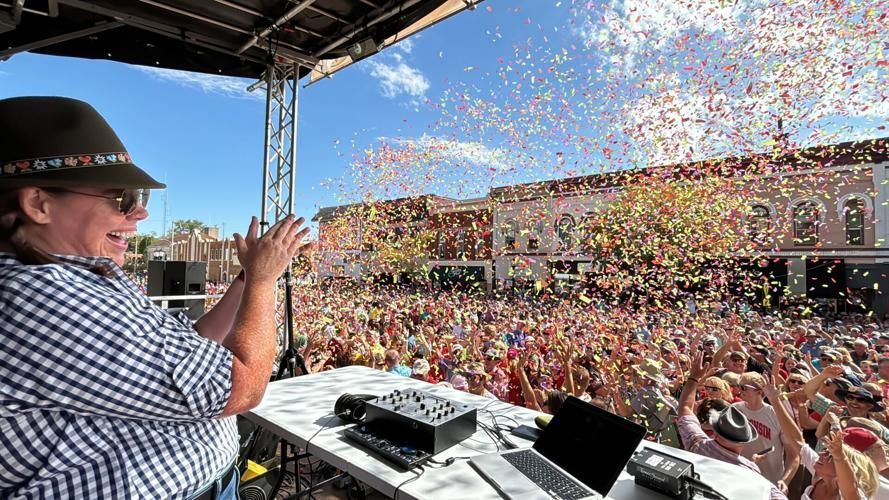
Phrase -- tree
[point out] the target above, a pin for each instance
(187, 226)
(138, 249)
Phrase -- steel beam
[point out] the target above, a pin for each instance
(278, 176)
(180, 34)
(46, 42)
(17, 6)
(290, 14)
(378, 19)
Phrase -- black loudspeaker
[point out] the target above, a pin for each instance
(261, 487)
(177, 277)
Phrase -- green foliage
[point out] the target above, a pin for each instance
(187, 225)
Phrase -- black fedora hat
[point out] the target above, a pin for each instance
(63, 142)
(732, 425)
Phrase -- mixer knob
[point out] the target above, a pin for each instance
(422, 406)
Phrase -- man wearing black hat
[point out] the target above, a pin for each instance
(731, 429)
(104, 394)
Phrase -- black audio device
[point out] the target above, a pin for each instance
(410, 425)
(663, 473)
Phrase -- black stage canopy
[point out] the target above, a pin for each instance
(223, 37)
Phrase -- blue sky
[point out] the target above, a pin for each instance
(514, 91)
(206, 143)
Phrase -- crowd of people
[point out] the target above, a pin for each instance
(795, 397)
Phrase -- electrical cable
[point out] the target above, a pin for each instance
(487, 430)
(306, 451)
(704, 488)
(496, 435)
(418, 476)
(447, 463)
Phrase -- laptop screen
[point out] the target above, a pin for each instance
(589, 443)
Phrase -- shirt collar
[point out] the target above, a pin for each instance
(9, 259)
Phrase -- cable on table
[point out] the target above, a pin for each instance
(418, 476)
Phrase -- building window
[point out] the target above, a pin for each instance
(805, 223)
(509, 233)
(534, 230)
(565, 232)
(854, 212)
(759, 222)
(586, 233)
(441, 246)
(461, 244)
(479, 246)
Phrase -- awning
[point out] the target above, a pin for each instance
(221, 37)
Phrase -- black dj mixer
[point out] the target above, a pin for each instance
(428, 422)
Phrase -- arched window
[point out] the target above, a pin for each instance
(853, 210)
(805, 223)
(565, 232)
(759, 222)
(586, 233)
(535, 228)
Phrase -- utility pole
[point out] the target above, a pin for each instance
(222, 256)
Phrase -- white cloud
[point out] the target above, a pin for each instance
(707, 77)
(212, 84)
(638, 26)
(406, 45)
(399, 79)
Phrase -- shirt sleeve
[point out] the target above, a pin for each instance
(691, 432)
(808, 457)
(89, 349)
(821, 404)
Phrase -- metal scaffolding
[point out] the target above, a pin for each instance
(278, 176)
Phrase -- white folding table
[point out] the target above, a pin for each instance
(300, 411)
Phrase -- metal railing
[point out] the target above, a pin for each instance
(165, 299)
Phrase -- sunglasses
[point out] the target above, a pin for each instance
(857, 398)
(127, 202)
(791, 381)
(711, 388)
(746, 387)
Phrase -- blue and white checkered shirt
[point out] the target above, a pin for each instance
(102, 393)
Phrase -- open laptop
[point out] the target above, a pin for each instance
(580, 454)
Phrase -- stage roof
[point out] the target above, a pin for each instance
(221, 37)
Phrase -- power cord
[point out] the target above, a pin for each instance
(418, 476)
(446, 463)
(496, 435)
(704, 488)
(306, 451)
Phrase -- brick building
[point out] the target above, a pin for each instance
(461, 253)
(221, 255)
(826, 208)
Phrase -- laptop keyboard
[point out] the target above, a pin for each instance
(550, 479)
